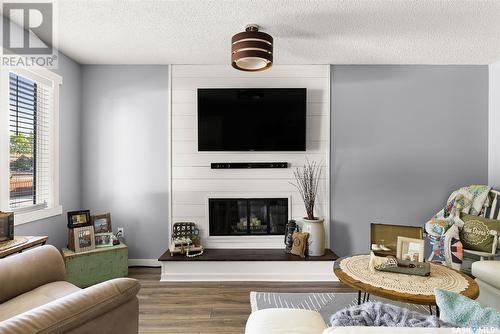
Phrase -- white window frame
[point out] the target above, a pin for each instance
(54, 207)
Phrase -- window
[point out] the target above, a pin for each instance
(29, 144)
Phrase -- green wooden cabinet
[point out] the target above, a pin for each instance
(101, 264)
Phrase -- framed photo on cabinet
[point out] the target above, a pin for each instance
(84, 238)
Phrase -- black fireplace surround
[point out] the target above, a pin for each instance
(247, 216)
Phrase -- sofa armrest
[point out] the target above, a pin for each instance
(26, 271)
(73, 310)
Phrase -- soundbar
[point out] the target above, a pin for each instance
(244, 165)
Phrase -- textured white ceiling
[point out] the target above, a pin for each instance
(305, 32)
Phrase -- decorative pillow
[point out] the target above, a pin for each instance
(299, 243)
(465, 312)
(475, 234)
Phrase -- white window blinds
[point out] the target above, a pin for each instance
(30, 105)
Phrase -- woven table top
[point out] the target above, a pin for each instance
(440, 277)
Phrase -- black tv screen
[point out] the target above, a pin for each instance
(267, 119)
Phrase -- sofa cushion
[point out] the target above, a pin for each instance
(487, 271)
(36, 297)
(282, 320)
(461, 311)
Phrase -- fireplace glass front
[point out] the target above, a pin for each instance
(247, 216)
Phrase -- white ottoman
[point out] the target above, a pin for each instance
(285, 321)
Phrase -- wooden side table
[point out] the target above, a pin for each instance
(21, 243)
(98, 265)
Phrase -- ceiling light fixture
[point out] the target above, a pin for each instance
(252, 50)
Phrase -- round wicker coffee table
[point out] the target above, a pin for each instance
(354, 272)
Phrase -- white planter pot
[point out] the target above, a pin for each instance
(316, 241)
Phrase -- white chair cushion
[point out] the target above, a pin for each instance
(487, 271)
(285, 321)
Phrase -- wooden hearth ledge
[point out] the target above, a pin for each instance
(248, 265)
(248, 255)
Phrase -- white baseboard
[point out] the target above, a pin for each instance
(269, 271)
(144, 263)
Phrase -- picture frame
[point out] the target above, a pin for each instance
(103, 240)
(410, 249)
(102, 223)
(84, 239)
(79, 218)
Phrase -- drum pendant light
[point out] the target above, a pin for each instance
(252, 50)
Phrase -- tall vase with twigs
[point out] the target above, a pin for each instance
(307, 180)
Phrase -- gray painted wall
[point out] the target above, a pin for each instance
(125, 152)
(403, 138)
(69, 156)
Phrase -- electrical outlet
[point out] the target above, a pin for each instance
(121, 232)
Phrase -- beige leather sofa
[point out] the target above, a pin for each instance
(35, 298)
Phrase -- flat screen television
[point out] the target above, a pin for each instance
(267, 119)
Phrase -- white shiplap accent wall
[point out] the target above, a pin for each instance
(494, 125)
(192, 180)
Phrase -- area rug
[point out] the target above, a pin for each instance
(325, 303)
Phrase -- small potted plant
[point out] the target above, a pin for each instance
(307, 183)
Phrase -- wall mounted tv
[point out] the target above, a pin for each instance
(253, 119)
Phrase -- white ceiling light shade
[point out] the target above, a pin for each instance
(252, 50)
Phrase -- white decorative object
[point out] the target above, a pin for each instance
(307, 182)
(316, 240)
(381, 262)
(410, 249)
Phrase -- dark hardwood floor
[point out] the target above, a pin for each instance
(205, 308)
